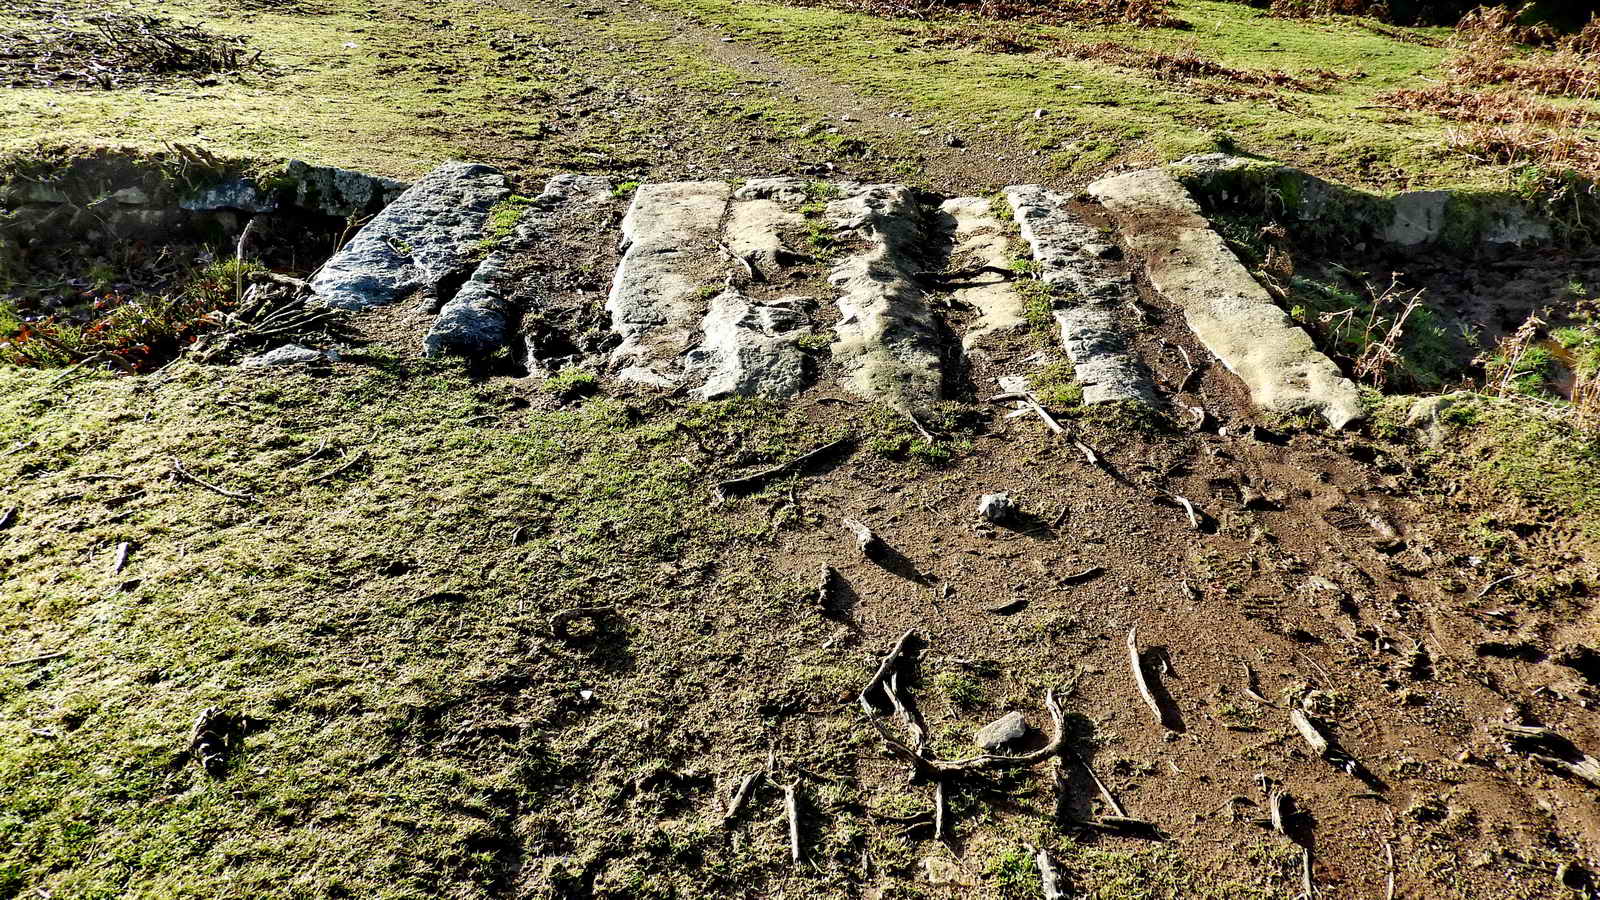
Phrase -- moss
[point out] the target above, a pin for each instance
(1056, 386)
(572, 382)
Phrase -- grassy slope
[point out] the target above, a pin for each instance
(413, 91)
(1126, 115)
(384, 624)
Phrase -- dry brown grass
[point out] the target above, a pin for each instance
(1186, 64)
(1310, 9)
(1515, 105)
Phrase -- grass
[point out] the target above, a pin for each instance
(1100, 114)
(392, 89)
(418, 724)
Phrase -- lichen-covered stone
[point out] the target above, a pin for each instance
(889, 344)
(1224, 306)
(476, 320)
(1072, 258)
(426, 238)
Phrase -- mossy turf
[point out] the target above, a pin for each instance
(380, 609)
(393, 88)
(1088, 115)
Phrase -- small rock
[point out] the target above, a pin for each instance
(944, 872)
(954, 141)
(289, 355)
(1002, 732)
(1039, 113)
(996, 507)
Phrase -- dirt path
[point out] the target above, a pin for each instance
(844, 134)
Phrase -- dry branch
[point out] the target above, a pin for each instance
(185, 474)
(885, 668)
(1310, 732)
(350, 463)
(1139, 678)
(935, 768)
(45, 657)
(740, 798)
(791, 806)
(754, 479)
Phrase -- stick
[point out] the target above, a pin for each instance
(1252, 687)
(740, 798)
(755, 478)
(1058, 780)
(1105, 792)
(1388, 852)
(791, 805)
(348, 464)
(1085, 575)
(1276, 801)
(941, 810)
(1310, 732)
(1308, 887)
(912, 723)
(749, 267)
(866, 541)
(1194, 517)
(935, 768)
(1049, 876)
(1138, 676)
(177, 467)
(122, 558)
(884, 669)
(46, 657)
(1033, 404)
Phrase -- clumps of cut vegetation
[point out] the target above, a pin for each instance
(1184, 65)
(119, 50)
(134, 331)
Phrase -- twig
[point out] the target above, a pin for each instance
(177, 467)
(749, 267)
(1085, 575)
(938, 768)
(740, 797)
(1089, 455)
(866, 541)
(1308, 887)
(755, 478)
(46, 657)
(1138, 676)
(1125, 823)
(1494, 584)
(941, 810)
(1252, 687)
(1033, 404)
(1309, 731)
(1105, 792)
(350, 463)
(915, 423)
(1388, 852)
(884, 669)
(791, 805)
